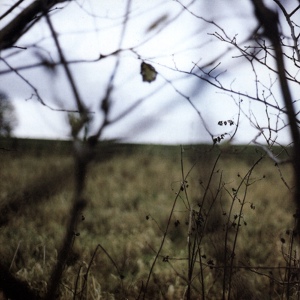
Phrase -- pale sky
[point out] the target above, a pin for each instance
(93, 27)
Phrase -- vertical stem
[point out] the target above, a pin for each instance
(269, 20)
(78, 206)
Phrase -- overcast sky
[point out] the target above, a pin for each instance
(162, 34)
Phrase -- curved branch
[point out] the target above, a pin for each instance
(15, 29)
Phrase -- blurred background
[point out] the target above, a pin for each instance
(176, 38)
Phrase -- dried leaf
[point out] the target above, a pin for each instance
(148, 72)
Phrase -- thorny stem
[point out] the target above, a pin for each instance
(166, 231)
(194, 250)
(245, 180)
(161, 244)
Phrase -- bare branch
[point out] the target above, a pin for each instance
(269, 21)
(11, 9)
(10, 34)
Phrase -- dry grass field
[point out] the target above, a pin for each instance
(161, 223)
